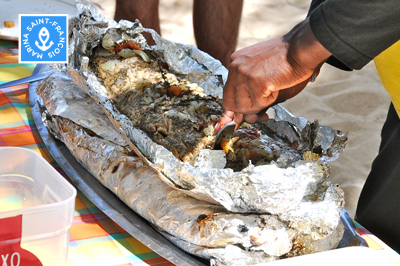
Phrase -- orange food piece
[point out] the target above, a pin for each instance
(9, 24)
(133, 45)
(130, 44)
(175, 90)
(119, 47)
(224, 146)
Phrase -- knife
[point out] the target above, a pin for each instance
(32, 78)
(225, 133)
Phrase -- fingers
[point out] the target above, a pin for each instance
(229, 116)
(260, 76)
(236, 95)
(229, 93)
(260, 115)
(256, 118)
(246, 94)
(238, 118)
(226, 117)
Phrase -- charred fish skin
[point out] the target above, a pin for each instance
(131, 179)
(176, 113)
(179, 117)
(251, 190)
(136, 85)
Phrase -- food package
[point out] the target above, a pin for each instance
(201, 228)
(267, 189)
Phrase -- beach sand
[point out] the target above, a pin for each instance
(354, 101)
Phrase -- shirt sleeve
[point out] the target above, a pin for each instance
(355, 31)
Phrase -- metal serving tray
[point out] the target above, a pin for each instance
(117, 210)
(101, 196)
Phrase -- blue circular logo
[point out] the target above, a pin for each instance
(43, 38)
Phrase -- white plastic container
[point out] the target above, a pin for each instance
(31, 187)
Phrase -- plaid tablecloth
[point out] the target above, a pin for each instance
(95, 238)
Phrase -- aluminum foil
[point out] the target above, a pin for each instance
(234, 255)
(295, 188)
(71, 104)
(201, 228)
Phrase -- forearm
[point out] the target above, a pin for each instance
(304, 48)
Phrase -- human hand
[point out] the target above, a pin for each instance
(270, 72)
(261, 116)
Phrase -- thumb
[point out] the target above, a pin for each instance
(226, 117)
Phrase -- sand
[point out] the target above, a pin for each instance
(354, 101)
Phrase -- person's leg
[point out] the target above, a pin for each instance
(378, 207)
(146, 11)
(216, 27)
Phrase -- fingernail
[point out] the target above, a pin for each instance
(217, 126)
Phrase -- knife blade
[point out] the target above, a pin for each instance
(29, 79)
(225, 133)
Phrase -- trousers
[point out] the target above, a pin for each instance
(378, 208)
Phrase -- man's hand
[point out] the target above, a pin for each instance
(270, 72)
(261, 116)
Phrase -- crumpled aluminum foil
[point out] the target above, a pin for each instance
(201, 228)
(296, 189)
(71, 105)
(274, 188)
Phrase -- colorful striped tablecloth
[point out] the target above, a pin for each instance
(95, 238)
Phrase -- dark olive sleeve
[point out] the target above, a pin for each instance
(355, 31)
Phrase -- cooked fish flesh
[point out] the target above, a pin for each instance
(174, 113)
